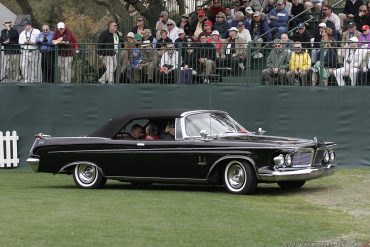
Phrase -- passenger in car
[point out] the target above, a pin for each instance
(169, 132)
(151, 132)
(136, 133)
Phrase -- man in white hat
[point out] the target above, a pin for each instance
(67, 48)
(30, 58)
(9, 38)
(234, 51)
(353, 58)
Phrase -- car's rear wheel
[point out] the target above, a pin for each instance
(88, 176)
(240, 178)
(291, 184)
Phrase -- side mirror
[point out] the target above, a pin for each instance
(260, 131)
(203, 134)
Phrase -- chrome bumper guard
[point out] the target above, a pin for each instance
(34, 163)
(299, 175)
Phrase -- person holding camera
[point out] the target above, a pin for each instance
(44, 40)
(67, 47)
(9, 38)
(30, 53)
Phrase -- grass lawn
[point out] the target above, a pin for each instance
(47, 210)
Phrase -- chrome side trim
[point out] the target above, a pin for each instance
(81, 162)
(298, 175)
(158, 179)
(34, 163)
(234, 157)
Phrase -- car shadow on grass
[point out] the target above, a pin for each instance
(270, 190)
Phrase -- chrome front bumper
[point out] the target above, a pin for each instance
(299, 175)
(34, 163)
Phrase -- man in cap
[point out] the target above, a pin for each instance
(353, 58)
(276, 65)
(299, 64)
(351, 32)
(162, 23)
(221, 25)
(109, 44)
(234, 50)
(207, 30)
(278, 19)
(30, 57)
(67, 48)
(198, 26)
(181, 39)
(126, 59)
(10, 62)
(144, 71)
(365, 36)
(302, 36)
(184, 25)
(243, 33)
(257, 29)
(44, 40)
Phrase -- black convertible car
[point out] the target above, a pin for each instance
(183, 146)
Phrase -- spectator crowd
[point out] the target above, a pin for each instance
(209, 41)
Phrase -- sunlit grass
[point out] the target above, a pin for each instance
(47, 210)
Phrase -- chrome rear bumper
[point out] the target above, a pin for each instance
(299, 175)
(34, 163)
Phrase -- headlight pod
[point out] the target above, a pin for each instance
(279, 160)
(288, 160)
(332, 155)
(283, 160)
(326, 157)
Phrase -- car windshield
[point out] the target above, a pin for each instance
(213, 123)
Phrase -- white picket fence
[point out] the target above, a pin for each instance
(9, 149)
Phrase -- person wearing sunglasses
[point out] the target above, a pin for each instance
(173, 30)
(44, 40)
(140, 25)
(162, 23)
(214, 9)
(276, 65)
(221, 25)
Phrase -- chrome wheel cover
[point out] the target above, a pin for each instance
(87, 174)
(235, 176)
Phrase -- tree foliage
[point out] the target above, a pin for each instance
(89, 16)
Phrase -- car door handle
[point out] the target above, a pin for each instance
(140, 144)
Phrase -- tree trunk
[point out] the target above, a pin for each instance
(27, 10)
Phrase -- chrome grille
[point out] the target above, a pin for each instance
(302, 159)
(319, 156)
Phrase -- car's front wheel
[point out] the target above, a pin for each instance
(240, 178)
(88, 176)
(291, 184)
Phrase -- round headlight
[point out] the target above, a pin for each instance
(332, 155)
(326, 157)
(288, 160)
(279, 160)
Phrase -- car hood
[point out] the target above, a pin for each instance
(273, 140)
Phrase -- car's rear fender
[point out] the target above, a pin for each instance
(69, 167)
(223, 161)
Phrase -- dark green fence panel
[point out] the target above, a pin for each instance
(329, 113)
